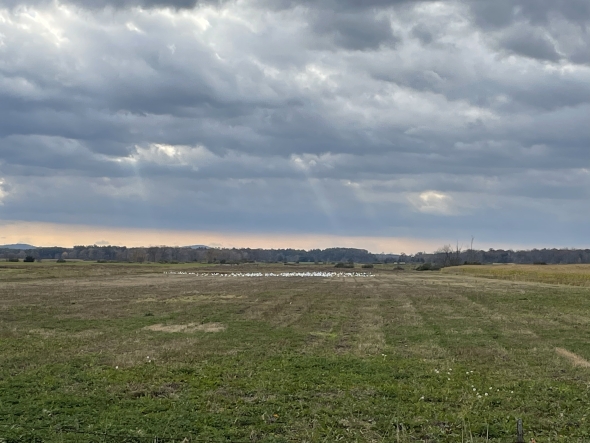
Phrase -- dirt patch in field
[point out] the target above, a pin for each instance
(45, 333)
(190, 327)
(575, 359)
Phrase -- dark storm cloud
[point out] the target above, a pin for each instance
(336, 5)
(501, 13)
(354, 30)
(530, 43)
(544, 29)
(296, 115)
(423, 34)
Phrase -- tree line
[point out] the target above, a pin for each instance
(445, 256)
(449, 256)
(165, 254)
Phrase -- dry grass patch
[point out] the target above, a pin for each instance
(575, 275)
(574, 359)
(190, 327)
(370, 338)
(44, 333)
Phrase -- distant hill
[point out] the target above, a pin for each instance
(18, 246)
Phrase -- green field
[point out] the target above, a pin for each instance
(114, 352)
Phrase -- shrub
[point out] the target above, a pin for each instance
(539, 263)
(61, 260)
(428, 267)
(13, 260)
(367, 266)
(29, 259)
(344, 265)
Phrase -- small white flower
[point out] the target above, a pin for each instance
(478, 396)
(448, 379)
(422, 398)
(486, 394)
(512, 392)
(474, 390)
(116, 367)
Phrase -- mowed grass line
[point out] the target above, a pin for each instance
(391, 358)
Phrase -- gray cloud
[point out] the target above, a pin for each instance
(397, 117)
(502, 13)
(547, 30)
(530, 43)
(422, 33)
(120, 4)
(354, 30)
(327, 5)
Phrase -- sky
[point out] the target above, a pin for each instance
(391, 125)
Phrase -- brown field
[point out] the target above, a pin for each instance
(577, 275)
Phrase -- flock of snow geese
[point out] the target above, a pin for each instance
(273, 274)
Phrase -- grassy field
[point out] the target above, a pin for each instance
(113, 352)
(576, 275)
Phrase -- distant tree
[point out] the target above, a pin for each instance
(138, 255)
(446, 256)
(29, 259)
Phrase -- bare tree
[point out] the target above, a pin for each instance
(444, 255)
(457, 258)
(447, 256)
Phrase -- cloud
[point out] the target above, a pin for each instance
(3, 191)
(354, 30)
(546, 30)
(532, 43)
(297, 116)
(119, 4)
(433, 202)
